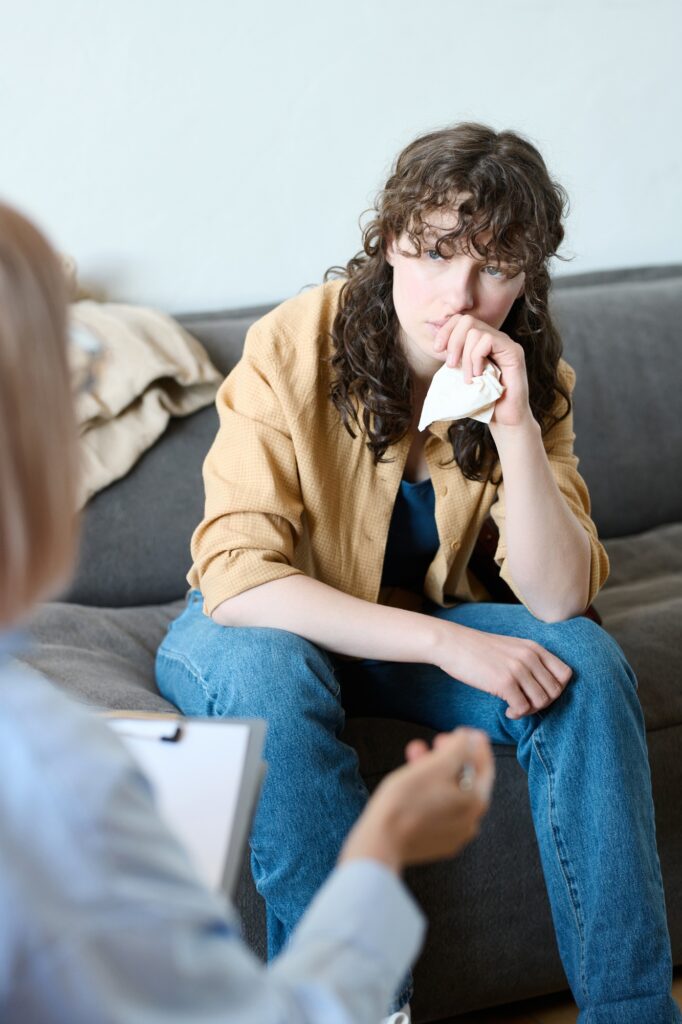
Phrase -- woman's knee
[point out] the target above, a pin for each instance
(222, 670)
(592, 654)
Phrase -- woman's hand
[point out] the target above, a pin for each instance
(431, 807)
(473, 343)
(521, 672)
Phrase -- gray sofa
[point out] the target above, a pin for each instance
(490, 936)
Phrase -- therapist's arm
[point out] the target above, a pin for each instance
(140, 935)
(363, 930)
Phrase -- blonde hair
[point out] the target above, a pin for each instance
(38, 461)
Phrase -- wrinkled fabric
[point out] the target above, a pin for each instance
(450, 398)
(149, 369)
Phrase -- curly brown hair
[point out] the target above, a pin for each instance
(501, 187)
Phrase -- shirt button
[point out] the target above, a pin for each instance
(443, 491)
(454, 544)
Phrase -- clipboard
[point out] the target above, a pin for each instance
(206, 774)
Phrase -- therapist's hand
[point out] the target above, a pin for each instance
(431, 807)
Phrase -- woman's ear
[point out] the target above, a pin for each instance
(389, 249)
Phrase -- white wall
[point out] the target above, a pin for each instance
(213, 154)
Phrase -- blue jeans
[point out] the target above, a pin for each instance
(585, 757)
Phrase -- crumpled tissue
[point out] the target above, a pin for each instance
(449, 398)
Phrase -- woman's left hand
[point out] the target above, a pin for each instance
(474, 343)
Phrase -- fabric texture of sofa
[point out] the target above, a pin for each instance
(490, 937)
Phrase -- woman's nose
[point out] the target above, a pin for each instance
(460, 286)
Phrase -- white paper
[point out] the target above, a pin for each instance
(196, 780)
(449, 398)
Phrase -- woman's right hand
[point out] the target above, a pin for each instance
(521, 672)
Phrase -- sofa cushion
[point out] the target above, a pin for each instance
(102, 656)
(641, 607)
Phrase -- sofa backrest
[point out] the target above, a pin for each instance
(621, 333)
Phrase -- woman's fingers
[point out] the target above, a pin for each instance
(558, 668)
(452, 336)
(538, 697)
(479, 358)
(460, 346)
(477, 349)
(519, 704)
(466, 333)
(550, 684)
(539, 686)
(466, 344)
(442, 339)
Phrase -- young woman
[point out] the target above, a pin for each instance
(332, 568)
(101, 915)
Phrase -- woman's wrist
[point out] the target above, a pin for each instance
(521, 433)
(443, 635)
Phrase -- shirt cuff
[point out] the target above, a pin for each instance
(365, 914)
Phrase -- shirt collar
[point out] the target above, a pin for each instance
(440, 429)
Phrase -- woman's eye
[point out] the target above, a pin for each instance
(433, 254)
(493, 271)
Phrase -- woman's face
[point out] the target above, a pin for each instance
(428, 289)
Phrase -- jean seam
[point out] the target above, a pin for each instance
(186, 663)
(335, 691)
(564, 866)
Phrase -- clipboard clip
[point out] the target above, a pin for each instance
(175, 738)
(153, 730)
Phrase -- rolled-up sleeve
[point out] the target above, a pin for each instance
(253, 511)
(563, 462)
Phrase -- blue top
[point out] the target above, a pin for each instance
(412, 536)
(102, 916)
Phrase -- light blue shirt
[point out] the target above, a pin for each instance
(102, 918)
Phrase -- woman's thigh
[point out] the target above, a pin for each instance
(423, 693)
(275, 675)
(208, 669)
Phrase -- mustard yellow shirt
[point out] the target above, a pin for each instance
(288, 490)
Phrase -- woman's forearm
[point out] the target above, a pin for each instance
(334, 620)
(548, 551)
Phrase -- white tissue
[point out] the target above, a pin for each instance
(449, 398)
